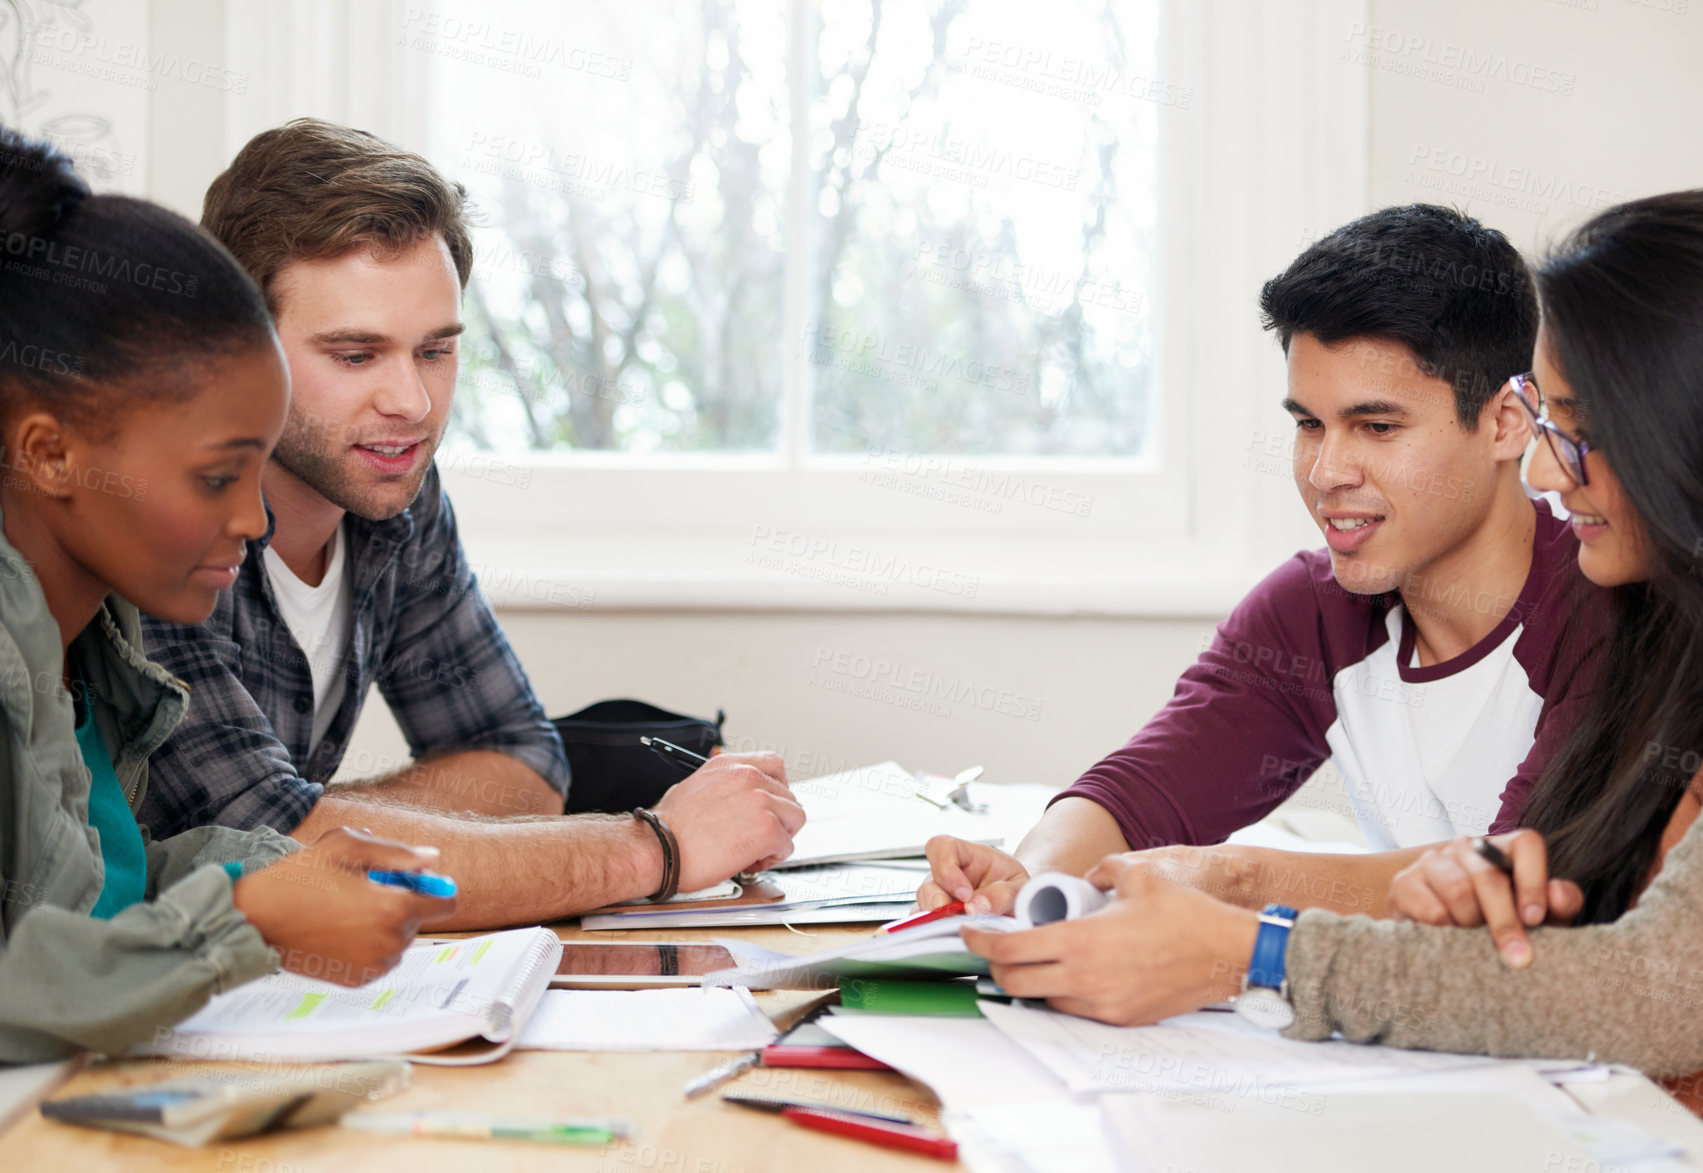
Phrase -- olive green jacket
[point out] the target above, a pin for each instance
(68, 981)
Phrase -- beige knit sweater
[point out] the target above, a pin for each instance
(1629, 992)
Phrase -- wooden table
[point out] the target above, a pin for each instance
(673, 1135)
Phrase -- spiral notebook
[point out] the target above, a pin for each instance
(474, 995)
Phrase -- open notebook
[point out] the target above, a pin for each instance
(478, 991)
(929, 950)
(932, 950)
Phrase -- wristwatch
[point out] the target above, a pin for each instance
(1264, 1000)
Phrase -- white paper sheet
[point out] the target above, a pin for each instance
(1203, 1053)
(1033, 1138)
(966, 1062)
(1501, 1117)
(873, 811)
(647, 1020)
(1008, 1114)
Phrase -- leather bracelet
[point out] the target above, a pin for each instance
(670, 855)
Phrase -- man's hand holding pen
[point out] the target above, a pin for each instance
(734, 813)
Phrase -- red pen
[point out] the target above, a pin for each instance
(893, 1136)
(956, 908)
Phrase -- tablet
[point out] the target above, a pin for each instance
(636, 965)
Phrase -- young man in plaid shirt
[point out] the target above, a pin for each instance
(362, 251)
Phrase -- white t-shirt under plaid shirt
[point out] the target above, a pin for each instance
(419, 629)
(318, 616)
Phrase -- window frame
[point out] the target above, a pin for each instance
(1271, 152)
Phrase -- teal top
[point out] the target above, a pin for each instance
(110, 815)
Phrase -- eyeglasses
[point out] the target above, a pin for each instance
(1568, 452)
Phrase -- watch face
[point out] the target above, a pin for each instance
(1264, 1006)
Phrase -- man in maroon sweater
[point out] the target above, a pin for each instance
(1437, 651)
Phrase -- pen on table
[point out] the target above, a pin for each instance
(955, 908)
(674, 753)
(428, 883)
(1492, 854)
(891, 1135)
(480, 1126)
(763, 1102)
(716, 1076)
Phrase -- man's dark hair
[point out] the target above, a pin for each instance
(1453, 292)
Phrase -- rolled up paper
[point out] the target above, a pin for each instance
(1055, 896)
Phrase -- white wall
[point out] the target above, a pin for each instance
(1529, 161)
(1090, 681)
(1523, 158)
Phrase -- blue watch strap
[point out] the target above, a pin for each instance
(1267, 965)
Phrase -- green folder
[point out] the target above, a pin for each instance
(939, 999)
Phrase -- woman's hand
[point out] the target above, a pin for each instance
(1159, 948)
(319, 910)
(1451, 884)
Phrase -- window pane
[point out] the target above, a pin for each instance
(985, 176)
(629, 162)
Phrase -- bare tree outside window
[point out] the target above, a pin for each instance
(983, 180)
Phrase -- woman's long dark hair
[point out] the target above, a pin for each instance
(1623, 313)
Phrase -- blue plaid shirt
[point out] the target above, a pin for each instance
(419, 628)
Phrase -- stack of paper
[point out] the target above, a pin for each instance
(1028, 1090)
(967, 1062)
(845, 893)
(1008, 1113)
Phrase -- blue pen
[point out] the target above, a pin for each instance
(428, 883)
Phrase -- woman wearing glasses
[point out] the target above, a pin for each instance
(1618, 397)
(1599, 837)
(1616, 371)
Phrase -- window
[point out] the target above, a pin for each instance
(963, 219)
(773, 297)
